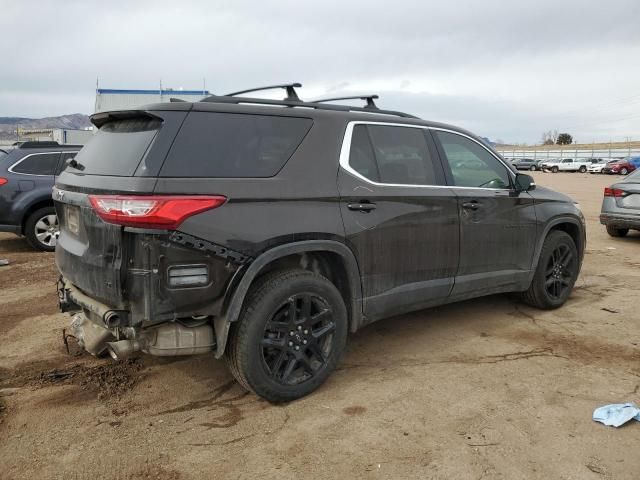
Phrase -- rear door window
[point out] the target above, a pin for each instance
(393, 155)
(229, 145)
(37, 164)
(402, 155)
(118, 146)
(361, 157)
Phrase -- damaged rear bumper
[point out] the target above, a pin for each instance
(100, 330)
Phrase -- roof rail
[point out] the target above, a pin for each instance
(368, 98)
(314, 105)
(35, 144)
(292, 96)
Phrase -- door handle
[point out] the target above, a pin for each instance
(473, 205)
(362, 206)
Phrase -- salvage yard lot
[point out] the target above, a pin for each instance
(488, 388)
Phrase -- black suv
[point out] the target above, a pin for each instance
(27, 175)
(266, 230)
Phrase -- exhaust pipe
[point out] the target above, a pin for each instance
(90, 336)
(170, 339)
(122, 349)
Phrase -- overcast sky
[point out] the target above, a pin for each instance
(506, 70)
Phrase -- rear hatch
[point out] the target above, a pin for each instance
(631, 198)
(124, 157)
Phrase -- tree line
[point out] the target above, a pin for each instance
(552, 137)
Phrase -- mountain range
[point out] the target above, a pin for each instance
(8, 125)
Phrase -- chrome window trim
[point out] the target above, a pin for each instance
(10, 169)
(345, 151)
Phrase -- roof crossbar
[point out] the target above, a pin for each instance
(368, 98)
(292, 96)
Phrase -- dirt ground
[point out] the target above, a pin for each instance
(487, 389)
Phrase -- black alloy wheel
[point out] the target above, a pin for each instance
(556, 273)
(290, 335)
(298, 339)
(560, 271)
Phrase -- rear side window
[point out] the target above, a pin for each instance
(118, 147)
(233, 145)
(37, 164)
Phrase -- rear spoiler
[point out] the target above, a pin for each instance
(99, 119)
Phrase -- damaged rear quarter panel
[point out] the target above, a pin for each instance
(151, 298)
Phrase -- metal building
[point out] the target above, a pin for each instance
(112, 99)
(60, 135)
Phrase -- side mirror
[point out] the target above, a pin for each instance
(524, 183)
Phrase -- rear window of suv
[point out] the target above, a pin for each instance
(230, 145)
(118, 147)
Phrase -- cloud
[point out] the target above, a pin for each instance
(508, 70)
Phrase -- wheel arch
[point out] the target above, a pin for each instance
(330, 258)
(568, 224)
(38, 204)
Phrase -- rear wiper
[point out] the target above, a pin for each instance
(73, 163)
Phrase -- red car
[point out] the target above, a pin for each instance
(621, 167)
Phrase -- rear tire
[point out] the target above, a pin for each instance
(42, 230)
(556, 273)
(289, 337)
(617, 232)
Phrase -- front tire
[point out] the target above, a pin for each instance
(556, 273)
(533, 168)
(42, 230)
(617, 232)
(624, 171)
(582, 169)
(555, 169)
(290, 335)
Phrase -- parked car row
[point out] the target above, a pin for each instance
(614, 166)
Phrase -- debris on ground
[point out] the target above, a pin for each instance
(616, 414)
(108, 380)
(609, 310)
(3, 262)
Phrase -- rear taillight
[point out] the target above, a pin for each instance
(152, 211)
(3, 180)
(614, 192)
